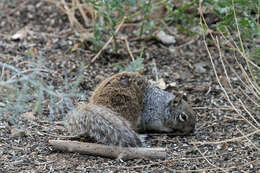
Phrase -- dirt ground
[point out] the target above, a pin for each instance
(186, 63)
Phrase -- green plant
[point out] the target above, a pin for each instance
(28, 91)
(184, 16)
(110, 13)
(241, 16)
(240, 44)
(135, 66)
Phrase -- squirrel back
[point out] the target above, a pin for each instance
(126, 103)
(123, 93)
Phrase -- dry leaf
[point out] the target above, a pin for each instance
(173, 84)
(161, 84)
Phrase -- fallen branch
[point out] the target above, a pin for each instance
(114, 152)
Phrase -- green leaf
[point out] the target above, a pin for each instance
(135, 66)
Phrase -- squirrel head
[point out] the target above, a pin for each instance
(179, 117)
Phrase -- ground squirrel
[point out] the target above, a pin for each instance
(124, 104)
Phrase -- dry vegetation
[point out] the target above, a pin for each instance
(50, 68)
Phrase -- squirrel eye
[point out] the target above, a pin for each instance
(183, 117)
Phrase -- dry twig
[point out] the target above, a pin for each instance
(108, 151)
(128, 49)
(219, 168)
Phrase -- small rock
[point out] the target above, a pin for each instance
(197, 29)
(52, 22)
(100, 78)
(30, 16)
(31, 8)
(28, 115)
(185, 145)
(2, 104)
(173, 84)
(17, 133)
(2, 127)
(257, 143)
(183, 75)
(176, 76)
(219, 147)
(165, 38)
(38, 5)
(230, 149)
(199, 67)
(3, 23)
(20, 35)
(172, 50)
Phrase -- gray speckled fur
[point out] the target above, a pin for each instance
(155, 104)
(103, 125)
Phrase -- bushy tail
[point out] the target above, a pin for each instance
(103, 125)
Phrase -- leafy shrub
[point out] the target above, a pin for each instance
(238, 16)
(28, 91)
(135, 66)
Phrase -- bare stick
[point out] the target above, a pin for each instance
(128, 49)
(252, 143)
(82, 12)
(155, 70)
(71, 15)
(114, 152)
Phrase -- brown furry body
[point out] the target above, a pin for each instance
(124, 103)
(123, 93)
